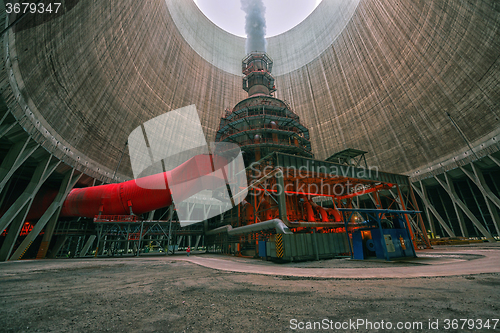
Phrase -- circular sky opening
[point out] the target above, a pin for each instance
(281, 15)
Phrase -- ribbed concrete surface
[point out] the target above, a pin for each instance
(378, 76)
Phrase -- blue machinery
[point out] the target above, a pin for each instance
(393, 242)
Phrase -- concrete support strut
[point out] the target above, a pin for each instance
(49, 219)
(16, 156)
(454, 197)
(433, 211)
(87, 245)
(427, 209)
(16, 214)
(489, 197)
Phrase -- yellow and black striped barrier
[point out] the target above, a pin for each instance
(279, 245)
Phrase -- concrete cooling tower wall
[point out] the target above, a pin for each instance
(415, 84)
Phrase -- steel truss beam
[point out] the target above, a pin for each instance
(448, 186)
(402, 207)
(412, 200)
(414, 222)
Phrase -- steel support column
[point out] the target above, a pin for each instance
(419, 226)
(434, 212)
(425, 236)
(402, 204)
(454, 197)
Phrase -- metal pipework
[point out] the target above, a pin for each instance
(277, 224)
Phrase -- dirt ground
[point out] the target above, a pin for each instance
(163, 294)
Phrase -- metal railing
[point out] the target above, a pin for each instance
(275, 127)
(275, 142)
(115, 218)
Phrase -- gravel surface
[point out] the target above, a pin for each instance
(161, 294)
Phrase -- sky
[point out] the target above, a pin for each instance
(281, 15)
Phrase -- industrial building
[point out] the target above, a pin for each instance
(410, 88)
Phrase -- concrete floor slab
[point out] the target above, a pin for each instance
(430, 263)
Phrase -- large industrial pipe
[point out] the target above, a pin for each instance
(248, 210)
(276, 224)
(321, 210)
(336, 214)
(265, 208)
(136, 196)
(309, 210)
(144, 194)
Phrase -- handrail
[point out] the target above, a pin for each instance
(115, 218)
(276, 127)
(271, 141)
(259, 112)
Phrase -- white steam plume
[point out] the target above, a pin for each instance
(255, 25)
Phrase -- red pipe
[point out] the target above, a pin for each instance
(248, 209)
(265, 207)
(144, 194)
(336, 214)
(321, 210)
(309, 210)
